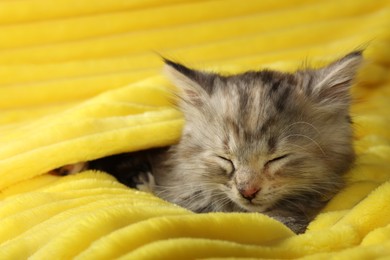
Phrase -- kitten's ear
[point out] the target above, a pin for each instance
(332, 83)
(193, 85)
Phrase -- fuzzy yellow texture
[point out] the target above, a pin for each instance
(81, 80)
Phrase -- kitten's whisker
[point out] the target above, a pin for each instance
(208, 190)
(312, 189)
(311, 139)
(301, 122)
(221, 203)
(304, 190)
(300, 146)
(297, 206)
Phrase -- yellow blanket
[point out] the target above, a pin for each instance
(81, 80)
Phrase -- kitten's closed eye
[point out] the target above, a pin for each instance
(226, 164)
(276, 159)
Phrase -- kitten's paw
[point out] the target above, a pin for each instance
(145, 182)
(70, 169)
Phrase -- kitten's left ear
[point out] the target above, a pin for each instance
(194, 85)
(332, 82)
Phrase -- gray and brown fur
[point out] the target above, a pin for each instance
(263, 141)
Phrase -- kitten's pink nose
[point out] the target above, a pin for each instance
(249, 192)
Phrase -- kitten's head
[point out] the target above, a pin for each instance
(263, 140)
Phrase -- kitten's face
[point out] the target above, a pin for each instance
(262, 141)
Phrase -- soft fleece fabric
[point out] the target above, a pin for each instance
(81, 80)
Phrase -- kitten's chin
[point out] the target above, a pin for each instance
(249, 206)
(253, 208)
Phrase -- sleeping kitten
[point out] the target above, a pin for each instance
(261, 141)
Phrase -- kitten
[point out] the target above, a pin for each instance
(260, 141)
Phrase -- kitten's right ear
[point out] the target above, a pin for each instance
(192, 84)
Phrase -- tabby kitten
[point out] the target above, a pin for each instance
(261, 141)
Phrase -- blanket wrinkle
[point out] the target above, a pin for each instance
(82, 80)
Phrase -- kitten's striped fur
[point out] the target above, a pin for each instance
(263, 141)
